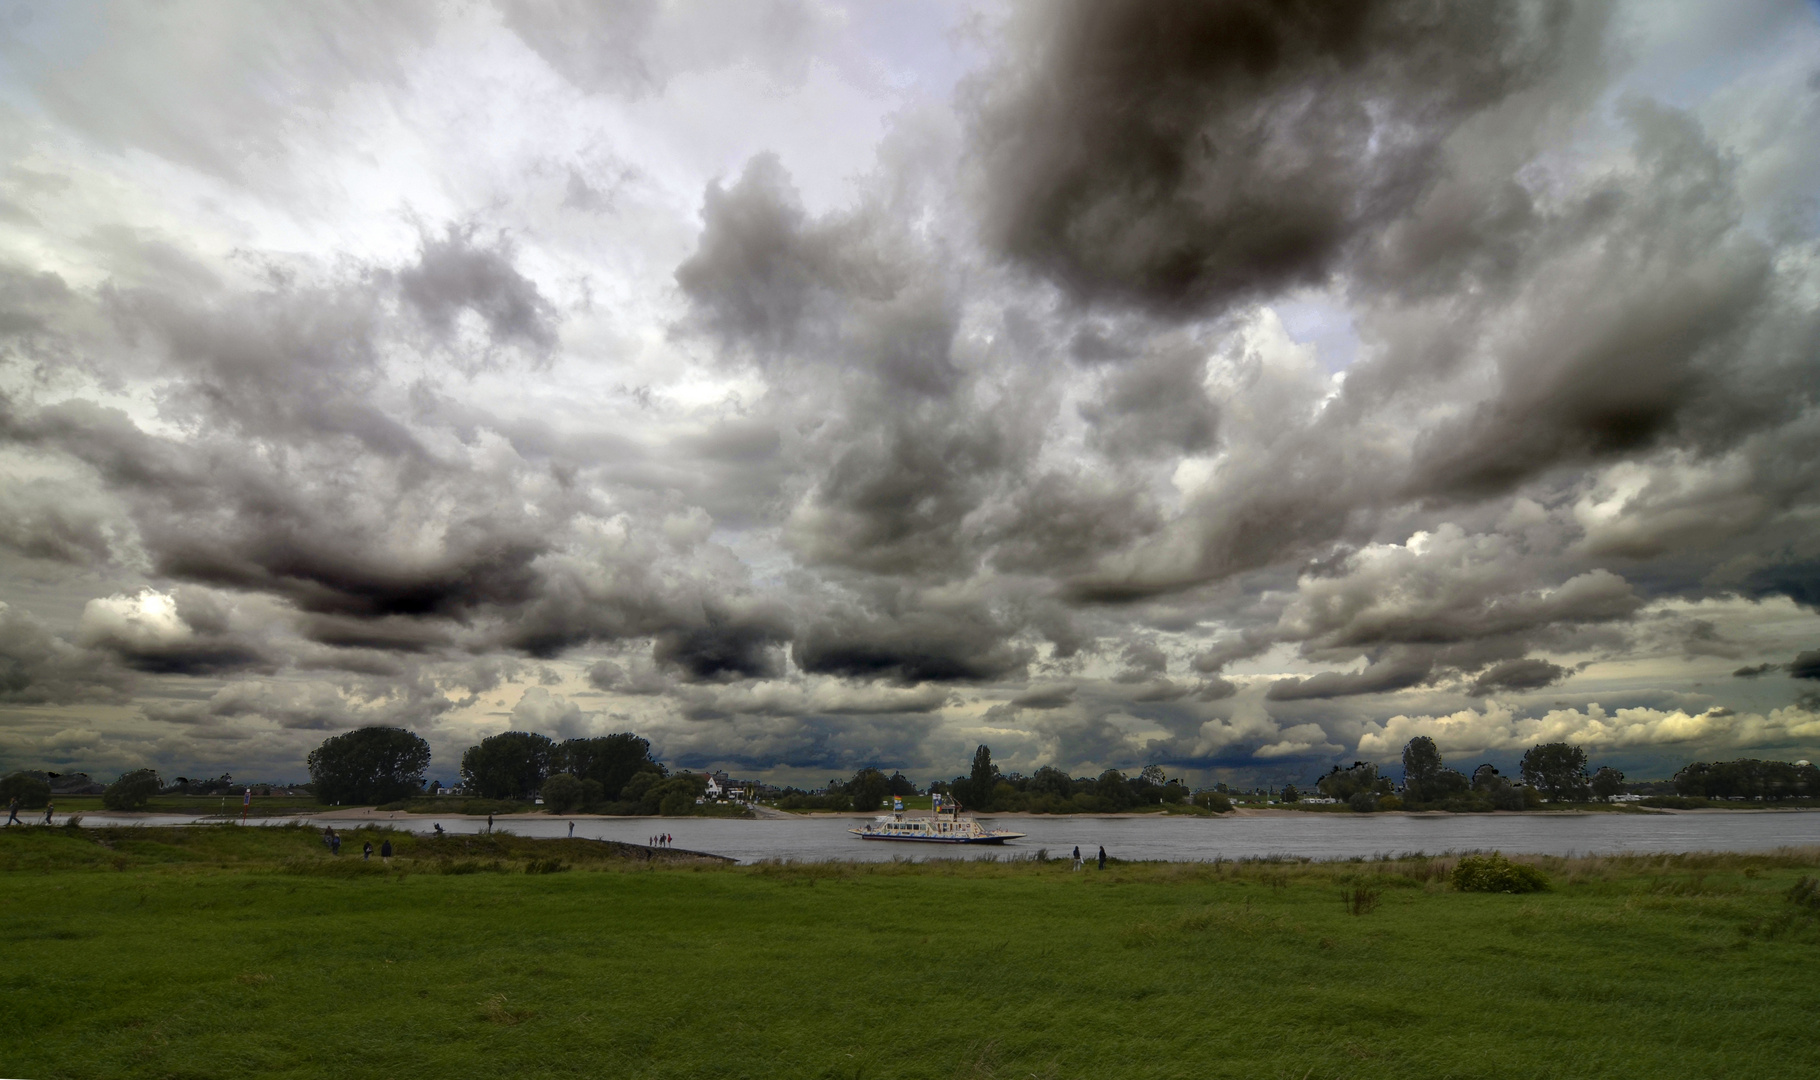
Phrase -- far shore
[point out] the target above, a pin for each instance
(371, 814)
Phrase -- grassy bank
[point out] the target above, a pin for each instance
(227, 952)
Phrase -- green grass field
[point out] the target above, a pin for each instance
(226, 952)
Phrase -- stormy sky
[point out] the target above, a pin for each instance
(1237, 386)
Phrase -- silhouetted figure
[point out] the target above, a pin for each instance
(571, 830)
(438, 828)
(12, 812)
(48, 807)
(1102, 856)
(489, 822)
(366, 852)
(385, 853)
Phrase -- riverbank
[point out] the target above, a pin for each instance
(253, 952)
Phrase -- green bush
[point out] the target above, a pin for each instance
(1675, 802)
(31, 792)
(1390, 802)
(1213, 800)
(545, 866)
(1496, 874)
(1363, 802)
(132, 791)
(562, 793)
(1805, 893)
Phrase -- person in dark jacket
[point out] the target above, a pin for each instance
(12, 812)
(366, 851)
(385, 852)
(1077, 856)
(1102, 856)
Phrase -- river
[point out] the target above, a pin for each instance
(1179, 839)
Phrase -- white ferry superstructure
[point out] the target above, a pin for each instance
(938, 828)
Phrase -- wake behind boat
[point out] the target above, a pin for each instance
(938, 828)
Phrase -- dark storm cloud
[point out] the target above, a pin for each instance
(1528, 673)
(38, 667)
(1182, 154)
(1633, 308)
(1399, 671)
(1806, 665)
(1754, 670)
(911, 647)
(454, 274)
(727, 644)
(1154, 406)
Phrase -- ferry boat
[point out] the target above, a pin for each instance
(944, 826)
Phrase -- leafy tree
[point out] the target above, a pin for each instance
(1557, 770)
(1113, 789)
(563, 793)
(1421, 763)
(511, 765)
(637, 787)
(1748, 778)
(1290, 794)
(1606, 783)
(610, 760)
(367, 766)
(1425, 778)
(899, 784)
(1362, 801)
(31, 791)
(984, 776)
(1152, 774)
(1343, 784)
(868, 789)
(1050, 780)
(132, 791)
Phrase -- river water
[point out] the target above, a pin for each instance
(1315, 836)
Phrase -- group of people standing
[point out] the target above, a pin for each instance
(1077, 856)
(332, 841)
(661, 840)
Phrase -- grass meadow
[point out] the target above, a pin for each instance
(216, 951)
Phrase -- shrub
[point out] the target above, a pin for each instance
(31, 791)
(1390, 802)
(562, 793)
(1675, 802)
(1363, 802)
(1496, 874)
(1213, 800)
(1805, 893)
(545, 866)
(132, 791)
(677, 804)
(1359, 899)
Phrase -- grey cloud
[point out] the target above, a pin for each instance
(739, 644)
(1181, 154)
(1528, 673)
(911, 647)
(455, 274)
(1045, 696)
(1154, 406)
(38, 667)
(1806, 665)
(1754, 670)
(1398, 671)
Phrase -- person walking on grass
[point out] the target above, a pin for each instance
(48, 807)
(1077, 856)
(489, 823)
(571, 830)
(385, 852)
(334, 843)
(1102, 856)
(366, 852)
(12, 812)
